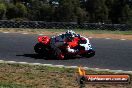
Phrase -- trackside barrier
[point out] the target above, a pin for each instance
(64, 25)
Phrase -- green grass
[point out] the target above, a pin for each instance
(38, 76)
(5, 84)
(87, 30)
(63, 30)
(90, 31)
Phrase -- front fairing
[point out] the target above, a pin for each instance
(87, 45)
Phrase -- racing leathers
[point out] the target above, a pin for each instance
(62, 40)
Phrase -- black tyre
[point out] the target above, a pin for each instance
(89, 54)
(39, 48)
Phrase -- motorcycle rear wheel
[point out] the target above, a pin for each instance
(41, 49)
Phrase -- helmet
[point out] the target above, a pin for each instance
(77, 35)
(70, 33)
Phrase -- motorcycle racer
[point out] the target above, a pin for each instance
(62, 40)
(68, 44)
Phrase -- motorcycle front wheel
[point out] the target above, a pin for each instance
(88, 54)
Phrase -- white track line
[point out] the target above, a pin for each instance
(90, 37)
(122, 39)
(40, 34)
(36, 63)
(24, 33)
(60, 66)
(97, 68)
(43, 34)
(23, 62)
(107, 38)
(1, 60)
(46, 64)
(107, 69)
(86, 68)
(6, 32)
(10, 61)
(73, 66)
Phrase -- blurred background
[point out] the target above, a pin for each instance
(84, 14)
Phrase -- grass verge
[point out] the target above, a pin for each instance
(92, 33)
(63, 30)
(38, 76)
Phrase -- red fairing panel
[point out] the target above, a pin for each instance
(44, 39)
(74, 43)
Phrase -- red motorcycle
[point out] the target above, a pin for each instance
(81, 44)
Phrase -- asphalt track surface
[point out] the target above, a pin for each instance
(110, 53)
